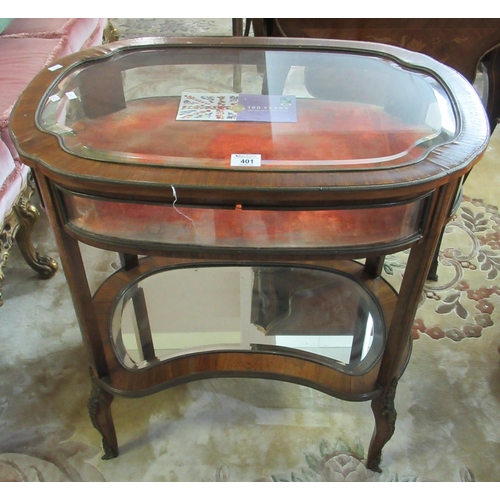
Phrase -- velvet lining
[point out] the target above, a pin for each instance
(334, 131)
(243, 228)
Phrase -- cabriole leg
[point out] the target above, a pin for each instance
(385, 415)
(99, 406)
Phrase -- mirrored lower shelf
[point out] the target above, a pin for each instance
(320, 315)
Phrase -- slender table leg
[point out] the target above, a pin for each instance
(385, 414)
(399, 340)
(128, 261)
(374, 266)
(76, 277)
(145, 342)
(237, 25)
(237, 31)
(136, 294)
(435, 262)
(359, 333)
(99, 406)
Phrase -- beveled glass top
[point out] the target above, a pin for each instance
(245, 108)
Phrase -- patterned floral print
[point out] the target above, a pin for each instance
(338, 463)
(467, 293)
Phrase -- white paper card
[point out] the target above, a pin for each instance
(245, 160)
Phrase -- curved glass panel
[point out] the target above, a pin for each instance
(323, 316)
(236, 228)
(226, 108)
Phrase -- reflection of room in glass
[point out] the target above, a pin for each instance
(321, 313)
(242, 308)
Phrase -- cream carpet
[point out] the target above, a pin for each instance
(236, 430)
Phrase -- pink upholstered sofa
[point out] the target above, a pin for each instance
(26, 46)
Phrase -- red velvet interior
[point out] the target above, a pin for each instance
(324, 130)
(245, 228)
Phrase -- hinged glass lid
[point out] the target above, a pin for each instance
(227, 108)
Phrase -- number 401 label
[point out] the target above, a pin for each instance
(240, 160)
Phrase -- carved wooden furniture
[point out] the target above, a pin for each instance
(284, 198)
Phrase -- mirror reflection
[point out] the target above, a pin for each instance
(314, 314)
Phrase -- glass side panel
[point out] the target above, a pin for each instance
(237, 228)
(315, 314)
(295, 110)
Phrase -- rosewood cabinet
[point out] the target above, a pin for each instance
(291, 180)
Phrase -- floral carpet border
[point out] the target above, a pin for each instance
(463, 302)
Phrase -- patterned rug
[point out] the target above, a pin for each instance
(462, 302)
(246, 430)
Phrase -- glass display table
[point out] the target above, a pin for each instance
(281, 172)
